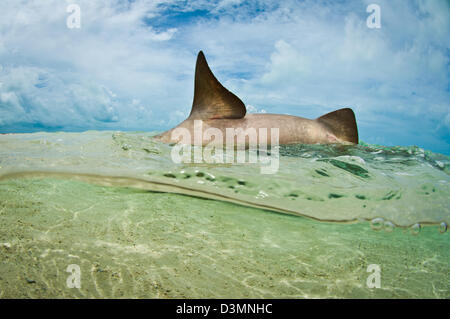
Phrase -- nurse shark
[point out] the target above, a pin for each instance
(217, 109)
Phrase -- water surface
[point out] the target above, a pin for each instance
(139, 225)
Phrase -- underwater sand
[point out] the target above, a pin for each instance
(133, 242)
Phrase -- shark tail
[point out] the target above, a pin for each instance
(342, 123)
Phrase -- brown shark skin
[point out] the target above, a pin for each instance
(218, 108)
(292, 129)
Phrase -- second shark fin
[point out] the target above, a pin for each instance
(341, 123)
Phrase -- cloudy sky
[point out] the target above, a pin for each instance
(130, 66)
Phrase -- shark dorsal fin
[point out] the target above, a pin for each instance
(211, 99)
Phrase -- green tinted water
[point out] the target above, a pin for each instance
(105, 201)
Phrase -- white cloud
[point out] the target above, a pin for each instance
(304, 58)
(254, 109)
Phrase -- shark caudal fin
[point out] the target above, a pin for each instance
(211, 99)
(342, 124)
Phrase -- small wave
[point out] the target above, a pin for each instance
(334, 183)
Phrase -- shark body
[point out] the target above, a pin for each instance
(217, 108)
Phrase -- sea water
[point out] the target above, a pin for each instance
(335, 221)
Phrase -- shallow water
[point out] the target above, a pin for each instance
(110, 203)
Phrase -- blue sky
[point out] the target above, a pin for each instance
(131, 64)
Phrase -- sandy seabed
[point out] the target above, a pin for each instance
(133, 243)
